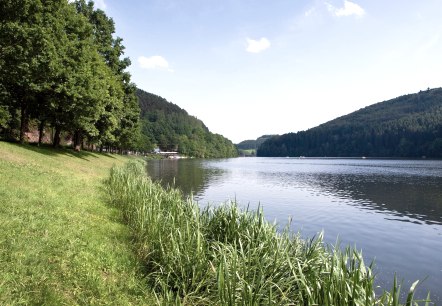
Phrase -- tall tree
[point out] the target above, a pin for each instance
(26, 52)
(126, 133)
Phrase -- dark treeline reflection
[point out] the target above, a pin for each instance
(188, 175)
(414, 197)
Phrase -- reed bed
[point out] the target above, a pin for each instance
(228, 256)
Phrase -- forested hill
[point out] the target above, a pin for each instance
(253, 144)
(407, 126)
(171, 128)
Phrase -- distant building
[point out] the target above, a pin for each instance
(169, 154)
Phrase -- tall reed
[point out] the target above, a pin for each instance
(228, 256)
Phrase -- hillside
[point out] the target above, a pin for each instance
(248, 147)
(407, 126)
(171, 128)
(253, 144)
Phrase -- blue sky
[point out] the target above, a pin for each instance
(248, 67)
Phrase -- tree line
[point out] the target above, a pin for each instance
(407, 126)
(171, 128)
(253, 144)
(248, 147)
(62, 68)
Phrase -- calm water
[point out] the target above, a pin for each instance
(391, 209)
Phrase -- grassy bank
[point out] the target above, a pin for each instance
(225, 256)
(60, 243)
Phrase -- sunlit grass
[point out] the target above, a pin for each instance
(228, 256)
(60, 243)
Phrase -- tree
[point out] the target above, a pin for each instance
(26, 54)
(60, 65)
(79, 83)
(122, 130)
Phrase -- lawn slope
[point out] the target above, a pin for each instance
(60, 243)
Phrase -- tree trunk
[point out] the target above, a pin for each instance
(56, 142)
(23, 121)
(41, 129)
(78, 139)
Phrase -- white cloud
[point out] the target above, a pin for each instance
(349, 9)
(100, 4)
(154, 62)
(256, 46)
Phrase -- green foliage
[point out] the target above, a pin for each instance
(61, 66)
(119, 123)
(4, 116)
(408, 126)
(228, 256)
(247, 153)
(253, 144)
(173, 129)
(27, 51)
(249, 147)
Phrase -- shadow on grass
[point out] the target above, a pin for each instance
(49, 150)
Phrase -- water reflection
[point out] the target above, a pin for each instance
(190, 176)
(390, 209)
(416, 198)
(409, 191)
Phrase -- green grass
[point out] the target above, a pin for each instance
(60, 243)
(226, 256)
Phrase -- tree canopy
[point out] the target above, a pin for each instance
(61, 67)
(253, 144)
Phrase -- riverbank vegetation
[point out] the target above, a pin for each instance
(407, 126)
(227, 256)
(60, 243)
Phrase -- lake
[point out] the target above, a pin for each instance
(389, 209)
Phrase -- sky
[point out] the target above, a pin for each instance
(247, 68)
